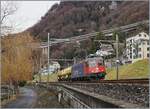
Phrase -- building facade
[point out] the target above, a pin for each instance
(53, 67)
(137, 47)
(105, 50)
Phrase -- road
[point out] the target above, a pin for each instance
(35, 97)
(26, 99)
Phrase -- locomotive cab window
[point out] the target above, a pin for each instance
(92, 63)
(86, 64)
(100, 63)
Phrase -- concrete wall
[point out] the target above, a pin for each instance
(129, 93)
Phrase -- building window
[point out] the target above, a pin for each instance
(139, 43)
(139, 35)
(143, 43)
(131, 41)
(147, 54)
(140, 56)
(131, 53)
(130, 47)
(145, 35)
(139, 49)
(134, 57)
(147, 48)
(130, 56)
(147, 42)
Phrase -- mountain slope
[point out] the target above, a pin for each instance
(71, 18)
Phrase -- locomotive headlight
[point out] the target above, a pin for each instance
(102, 70)
(97, 69)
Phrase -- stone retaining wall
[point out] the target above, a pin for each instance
(131, 93)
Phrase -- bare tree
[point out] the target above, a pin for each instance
(8, 8)
(17, 59)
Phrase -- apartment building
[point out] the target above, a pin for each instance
(137, 47)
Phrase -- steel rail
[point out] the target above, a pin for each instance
(139, 81)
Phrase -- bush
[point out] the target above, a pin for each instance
(22, 83)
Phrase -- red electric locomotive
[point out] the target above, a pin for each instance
(94, 68)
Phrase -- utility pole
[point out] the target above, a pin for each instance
(40, 71)
(48, 51)
(117, 60)
(86, 54)
(74, 60)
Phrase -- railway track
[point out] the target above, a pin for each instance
(129, 81)
(142, 81)
(125, 90)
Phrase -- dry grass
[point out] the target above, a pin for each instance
(52, 78)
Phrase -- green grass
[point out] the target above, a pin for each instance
(139, 69)
(52, 78)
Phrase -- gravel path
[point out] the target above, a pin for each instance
(35, 97)
(47, 99)
(26, 99)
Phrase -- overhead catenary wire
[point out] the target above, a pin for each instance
(90, 35)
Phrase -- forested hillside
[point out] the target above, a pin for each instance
(72, 18)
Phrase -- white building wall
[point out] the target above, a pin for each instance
(141, 40)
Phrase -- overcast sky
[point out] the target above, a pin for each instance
(29, 13)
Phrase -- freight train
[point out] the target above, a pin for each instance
(92, 68)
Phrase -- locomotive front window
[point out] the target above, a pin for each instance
(100, 62)
(86, 64)
(92, 63)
